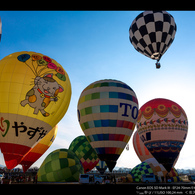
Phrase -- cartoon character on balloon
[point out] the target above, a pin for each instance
(45, 88)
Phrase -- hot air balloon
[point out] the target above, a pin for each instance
(141, 150)
(86, 154)
(152, 32)
(101, 166)
(160, 171)
(61, 165)
(149, 168)
(162, 126)
(107, 113)
(39, 149)
(139, 170)
(35, 93)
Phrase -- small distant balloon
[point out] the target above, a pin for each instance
(101, 166)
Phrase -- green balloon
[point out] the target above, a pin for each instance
(139, 170)
(84, 151)
(61, 165)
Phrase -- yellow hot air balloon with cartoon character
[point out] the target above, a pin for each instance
(35, 93)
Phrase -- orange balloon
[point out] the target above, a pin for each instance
(140, 149)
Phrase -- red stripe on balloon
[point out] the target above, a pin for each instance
(125, 124)
(31, 158)
(13, 153)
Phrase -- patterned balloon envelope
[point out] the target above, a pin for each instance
(35, 93)
(107, 112)
(39, 149)
(162, 126)
(86, 154)
(152, 32)
(159, 169)
(61, 165)
(141, 150)
(139, 170)
(152, 167)
(101, 166)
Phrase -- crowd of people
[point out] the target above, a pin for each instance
(19, 179)
(17, 176)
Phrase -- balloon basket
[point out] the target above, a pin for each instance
(157, 65)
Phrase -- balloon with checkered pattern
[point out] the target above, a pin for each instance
(107, 113)
(149, 168)
(61, 165)
(139, 170)
(152, 32)
(86, 154)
